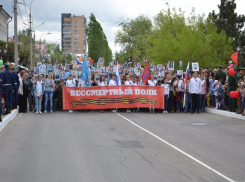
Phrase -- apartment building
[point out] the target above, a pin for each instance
(73, 33)
(4, 21)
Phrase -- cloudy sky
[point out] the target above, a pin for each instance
(107, 12)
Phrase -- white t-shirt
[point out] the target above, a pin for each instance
(102, 83)
(152, 83)
(203, 91)
(195, 86)
(81, 83)
(112, 83)
(130, 82)
(39, 88)
(71, 83)
(166, 89)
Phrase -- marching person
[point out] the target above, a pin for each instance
(38, 92)
(152, 82)
(16, 87)
(113, 83)
(8, 87)
(166, 94)
(128, 82)
(102, 83)
(195, 91)
(49, 91)
(70, 83)
(203, 94)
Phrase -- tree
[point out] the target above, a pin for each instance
(97, 42)
(131, 37)
(193, 39)
(228, 20)
(241, 43)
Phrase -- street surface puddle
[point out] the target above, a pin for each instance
(130, 144)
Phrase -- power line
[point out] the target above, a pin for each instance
(8, 5)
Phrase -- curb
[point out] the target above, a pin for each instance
(225, 113)
(8, 118)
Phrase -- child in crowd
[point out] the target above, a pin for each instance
(220, 91)
(216, 90)
(211, 93)
(222, 102)
(166, 94)
(152, 82)
(128, 82)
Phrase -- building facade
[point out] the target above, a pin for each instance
(73, 34)
(4, 17)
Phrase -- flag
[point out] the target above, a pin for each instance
(187, 73)
(85, 72)
(117, 78)
(79, 63)
(146, 74)
(234, 57)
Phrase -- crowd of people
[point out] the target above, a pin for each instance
(206, 88)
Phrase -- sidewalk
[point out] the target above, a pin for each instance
(225, 113)
(8, 118)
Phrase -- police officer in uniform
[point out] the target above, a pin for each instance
(16, 87)
(1, 84)
(8, 87)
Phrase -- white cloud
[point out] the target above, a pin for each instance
(107, 12)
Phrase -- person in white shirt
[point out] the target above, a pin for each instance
(113, 83)
(128, 82)
(137, 81)
(70, 83)
(195, 90)
(152, 82)
(166, 94)
(81, 83)
(102, 83)
(38, 92)
(203, 93)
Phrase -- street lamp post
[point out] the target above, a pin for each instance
(30, 32)
(35, 41)
(41, 42)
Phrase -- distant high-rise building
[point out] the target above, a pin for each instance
(73, 33)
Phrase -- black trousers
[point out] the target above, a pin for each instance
(21, 104)
(195, 102)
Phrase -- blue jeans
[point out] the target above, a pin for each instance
(38, 103)
(202, 102)
(187, 103)
(48, 96)
(165, 102)
(177, 105)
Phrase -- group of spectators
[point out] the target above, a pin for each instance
(206, 88)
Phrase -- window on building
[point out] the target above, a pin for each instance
(75, 43)
(76, 39)
(76, 47)
(76, 31)
(76, 35)
(76, 27)
(76, 23)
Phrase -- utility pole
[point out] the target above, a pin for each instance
(15, 34)
(30, 42)
(34, 49)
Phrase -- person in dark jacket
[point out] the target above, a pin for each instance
(1, 84)
(8, 87)
(220, 75)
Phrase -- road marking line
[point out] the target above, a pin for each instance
(179, 150)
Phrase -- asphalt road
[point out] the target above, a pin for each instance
(95, 147)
